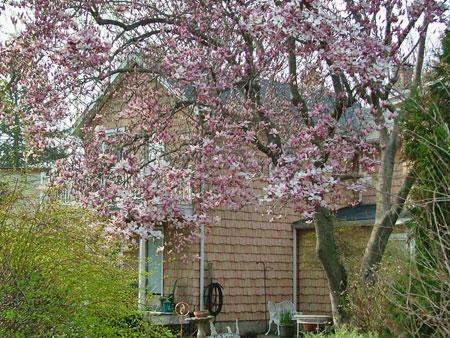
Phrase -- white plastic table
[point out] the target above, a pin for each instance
(311, 319)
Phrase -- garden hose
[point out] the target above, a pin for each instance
(214, 298)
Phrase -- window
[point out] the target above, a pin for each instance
(156, 154)
(271, 169)
(43, 185)
(155, 265)
(113, 147)
(399, 244)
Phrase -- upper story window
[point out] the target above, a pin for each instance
(111, 146)
(155, 154)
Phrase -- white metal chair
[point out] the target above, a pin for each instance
(275, 310)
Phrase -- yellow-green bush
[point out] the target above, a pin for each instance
(60, 276)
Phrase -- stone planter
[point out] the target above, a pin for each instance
(287, 330)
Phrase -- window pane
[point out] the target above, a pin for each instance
(154, 266)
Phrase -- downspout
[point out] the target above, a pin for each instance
(202, 260)
(202, 232)
(294, 267)
(142, 274)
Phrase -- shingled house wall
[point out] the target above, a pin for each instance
(233, 247)
(187, 275)
(242, 239)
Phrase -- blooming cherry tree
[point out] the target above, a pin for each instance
(282, 95)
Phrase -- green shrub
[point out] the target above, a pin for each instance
(371, 309)
(341, 333)
(60, 276)
(286, 317)
(422, 295)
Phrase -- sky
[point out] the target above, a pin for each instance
(6, 26)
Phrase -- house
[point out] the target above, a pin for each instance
(31, 181)
(238, 252)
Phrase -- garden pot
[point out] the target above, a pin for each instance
(167, 306)
(309, 327)
(287, 330)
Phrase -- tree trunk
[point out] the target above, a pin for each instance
(387, 212)
(375, 248)
(382, 230)
(334, 269)
(384, 224)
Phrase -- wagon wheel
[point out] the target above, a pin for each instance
(214, 298)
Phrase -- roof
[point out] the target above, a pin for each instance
(96, 105)
(361, 212)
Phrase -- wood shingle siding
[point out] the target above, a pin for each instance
(243, 238)
(235, 246)
(187, 274)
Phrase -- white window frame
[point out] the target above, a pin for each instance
(150, 279)
(43, 184)
(155, 154)
(111, 132)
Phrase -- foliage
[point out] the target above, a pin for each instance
(412, 300)
(424, 293)
(371, 307)
(251, 111)
(341, 333)
(283, 95)
(286, 318)
(59, 275)
(15, 152)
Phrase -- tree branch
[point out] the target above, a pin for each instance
(297, 99)
(420, 55)
(126, 27)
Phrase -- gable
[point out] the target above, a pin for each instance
(116, 97)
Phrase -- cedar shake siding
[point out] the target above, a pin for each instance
(242, 239)
(188, 276)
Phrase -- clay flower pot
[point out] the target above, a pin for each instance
(309, 327)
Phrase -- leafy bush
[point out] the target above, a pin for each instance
(414, 302)
(424, 294)
(60, 275)
(286, 317)
(341, 333)
(373, 308)
(370, 308)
